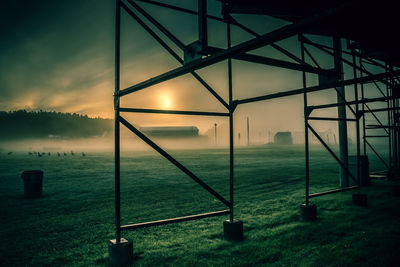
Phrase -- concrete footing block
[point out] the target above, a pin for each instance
(120, 254)
(396, 190)
(360, 199)
(308, 212)
(393, 174)
(233, 231)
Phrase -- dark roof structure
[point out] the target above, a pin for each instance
(372, 25)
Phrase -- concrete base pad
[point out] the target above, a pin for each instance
(233, 231)
(360, 199)
(120, 254)
(308, 212)
(393, 174)
(396, 190)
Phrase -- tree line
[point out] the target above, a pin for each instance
(22, 124)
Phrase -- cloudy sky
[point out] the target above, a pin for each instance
(56, 55)
(59, 55)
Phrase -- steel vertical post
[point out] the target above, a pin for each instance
(116, 121)
(248, 132)
(357, 123)
(392, 119)
(215, 133)
(397, 132)
(389, 124)
(396, 129)
(395, 124)
(202, 24)
(363, 111)
(231, 110)
(344, 178)
(306, 141)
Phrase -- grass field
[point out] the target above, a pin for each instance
(73, 220)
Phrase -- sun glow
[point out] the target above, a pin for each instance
(31, 104)
(166, 102)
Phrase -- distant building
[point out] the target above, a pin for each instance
(283, 138)
(171, 131)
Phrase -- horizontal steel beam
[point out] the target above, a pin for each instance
(380, 126)
(266, 39)
(184, 10)
(361, 101)
(317, 88)
(283, 64)
(330, 119)
(377, 176)
(333, 191)
(174, 220)
(276, 62)
(381, 109)
(173, 161)
(177, 112)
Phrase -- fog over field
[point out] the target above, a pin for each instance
(86, 145)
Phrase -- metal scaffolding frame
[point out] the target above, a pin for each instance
(341, 103)
(199, 55)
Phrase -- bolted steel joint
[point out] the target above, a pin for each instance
(116, 101)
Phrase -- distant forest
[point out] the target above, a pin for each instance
(24, 124)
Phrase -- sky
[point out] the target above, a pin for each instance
(55, 56)
(59, 55)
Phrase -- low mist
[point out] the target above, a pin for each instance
(98, 145)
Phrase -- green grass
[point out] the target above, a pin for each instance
(73, 220)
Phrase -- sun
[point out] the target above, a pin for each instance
(166, 101)
(31, 104)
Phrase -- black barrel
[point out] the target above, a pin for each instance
(33, 183)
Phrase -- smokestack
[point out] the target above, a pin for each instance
(248, 132)
(215, 133)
